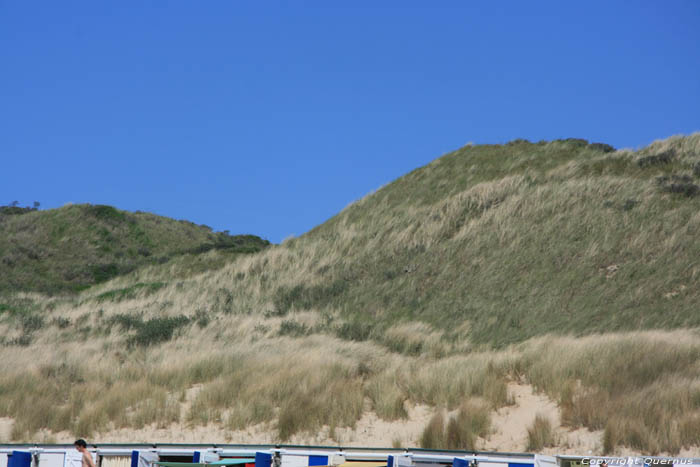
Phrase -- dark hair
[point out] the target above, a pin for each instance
(80, 442)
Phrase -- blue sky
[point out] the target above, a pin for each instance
(270, 117)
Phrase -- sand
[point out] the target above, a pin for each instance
(5, 429)
(511, 424)
(509, 430)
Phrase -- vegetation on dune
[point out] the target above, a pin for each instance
(650, 403)
(459, 431)
(541, 434)
(73, 247)
(565, 264)
(519, 240)
(642, 389)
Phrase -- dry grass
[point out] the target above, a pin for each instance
(433, 436)
(641, 388)
(387, 397)
(540, 434)
(644, 389)
(416, 338)
(458, 431)
(471, 421)
(448, 382)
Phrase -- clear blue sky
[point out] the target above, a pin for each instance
(270, 117)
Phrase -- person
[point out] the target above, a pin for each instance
(81, 446)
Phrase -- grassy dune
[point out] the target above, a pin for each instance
(566, 264)
(71, 248)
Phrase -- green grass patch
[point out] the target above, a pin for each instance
(127, 293)
(106, 213)
(294, 328)
(145, 333)
(301, 297)
(157, 330)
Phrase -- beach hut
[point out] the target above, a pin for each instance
(505, 460)
(143, 458)
(19, 459)
(111, 457)
(310, 459)
(60, 457)
(400, 460)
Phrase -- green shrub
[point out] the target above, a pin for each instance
(244, 244)
(629, 204)
(31, 322)
(354, 331)
(656, 159)
(126, 322)
(202, 318)
(293, 329)
(106, 213)
(61, 322)
(575, 142)
(157, 330)
(150, 332)
(14, 210)
(602, 147)
(104, 272)
(680, 184)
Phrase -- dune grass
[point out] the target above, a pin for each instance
(458, 431)
(433, 436)
(650, 403)
(562, 263)
(540, 434)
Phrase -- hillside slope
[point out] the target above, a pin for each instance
(516, 240)
(567, 265)
(76, 246)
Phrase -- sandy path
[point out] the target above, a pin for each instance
(511, 423)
